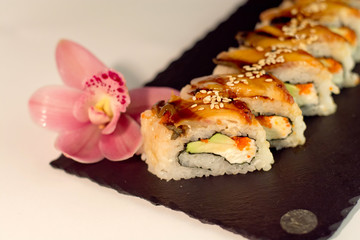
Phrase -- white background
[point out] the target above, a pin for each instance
(138, 38)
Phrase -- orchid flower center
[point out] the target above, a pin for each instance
(109, 97)
(104, 106)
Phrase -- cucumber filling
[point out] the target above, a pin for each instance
(235, 150)
(276, 127)
(303, 94)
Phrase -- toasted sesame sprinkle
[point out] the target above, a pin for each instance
(207, 99)
(225, 99)
(259, 48)
(244, 81)
(294, 11)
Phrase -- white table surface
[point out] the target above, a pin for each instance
(138, 38)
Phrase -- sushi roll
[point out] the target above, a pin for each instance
(327, 13)
(305, 77)
(266, 97)
(317, 40)
(351, 3)
(186, 139)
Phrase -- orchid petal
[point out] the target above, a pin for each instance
(144, 98)
(51, 107)
(76, 64)
(81, 144)
(81, 107)
(123, 142)
(110, 127)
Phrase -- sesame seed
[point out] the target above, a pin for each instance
(221, 105)
(212, 106)
(252, 77)
(194, 105)
(203, 91)
(259, 48)
(240, 75)
(209, 92)
(194, 98)
(294, 11)
(261, 62)
(217, 106)
(200, 109)
(225, 99)
(207, 99)
(268, 80)
(244, 81)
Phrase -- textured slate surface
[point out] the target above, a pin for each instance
(322, 176)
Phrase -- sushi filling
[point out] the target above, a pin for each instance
(234, 150)
(303, 94)
(276, 127)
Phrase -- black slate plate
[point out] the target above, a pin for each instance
(322, 176)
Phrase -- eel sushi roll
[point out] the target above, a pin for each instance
(305, 77)
(351, 3)
(317, 40)
(266, 97)
(334, 15)
(186, 139)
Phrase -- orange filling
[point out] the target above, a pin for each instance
(242, 142)
(304, 89)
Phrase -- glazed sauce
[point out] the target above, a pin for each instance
(256, 88)
(184, 110)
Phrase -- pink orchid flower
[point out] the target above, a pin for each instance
(92, 113)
